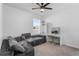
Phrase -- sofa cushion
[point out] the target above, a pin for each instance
(30, 40)
(15, 45)
(35, 38)
(19, 38)
(24, 44)
(27, 35)
(18, 48)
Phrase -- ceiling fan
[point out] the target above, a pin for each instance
(42, 6)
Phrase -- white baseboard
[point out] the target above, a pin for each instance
(74, 46)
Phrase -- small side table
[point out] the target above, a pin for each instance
(53, 38)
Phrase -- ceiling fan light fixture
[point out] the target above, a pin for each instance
(42, 10)
(42, 7)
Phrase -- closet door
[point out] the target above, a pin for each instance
(49, 28)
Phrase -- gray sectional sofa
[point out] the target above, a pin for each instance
(32, 40)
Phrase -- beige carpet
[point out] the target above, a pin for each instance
(50, 49)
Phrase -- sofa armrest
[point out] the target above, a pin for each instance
(6, 53)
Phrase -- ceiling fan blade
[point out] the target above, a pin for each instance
(46, 4)
(35, 8)
(48, 8)
(38, 4)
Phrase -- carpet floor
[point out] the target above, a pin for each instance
(50, 49)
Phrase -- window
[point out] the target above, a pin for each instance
(36, 26)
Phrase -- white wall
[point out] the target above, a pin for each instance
(67, 18)
(0, 24)
(16, 21)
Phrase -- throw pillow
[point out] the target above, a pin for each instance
(18, 48)
(24, 44)
(15, 45)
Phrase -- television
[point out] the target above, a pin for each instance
(55, 30)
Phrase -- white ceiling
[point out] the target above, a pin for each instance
(28, 7)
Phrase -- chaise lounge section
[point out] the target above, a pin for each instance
(34, 40)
